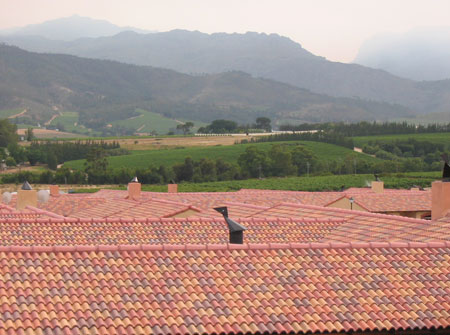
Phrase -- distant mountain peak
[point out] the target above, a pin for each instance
(419, 54)
(71, 28)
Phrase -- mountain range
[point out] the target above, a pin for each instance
(70, 28)
(192, 75)
(104, 91)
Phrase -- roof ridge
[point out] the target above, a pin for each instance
(245, 205)
(346, 196)
(354, 212)
(209, 247)
(45, 212)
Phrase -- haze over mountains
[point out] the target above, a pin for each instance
(236, 76)
(70, 28)
(419, 54)
(104, 91)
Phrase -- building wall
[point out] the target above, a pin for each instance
(185, 214)
(344, 203)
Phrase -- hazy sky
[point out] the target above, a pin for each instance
(334, 29)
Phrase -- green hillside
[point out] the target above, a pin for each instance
(147, 122)
(7, 113)
(169, 157)
(104, 92)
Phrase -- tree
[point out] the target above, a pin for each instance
(264, 123)
(17, 152)
(185, 127)
(29, 134)
(281, 161)
(219, 127)
(34, 156)
(184, 171)
(52, 161)
(8, 133)
(301, 156)
(96, 165)
(254, 162)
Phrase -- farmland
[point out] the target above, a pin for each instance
(317, 183)
(230, 153)
(69, 120)
(8, 113)
(148, 122)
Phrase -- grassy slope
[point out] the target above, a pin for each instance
(7, 113)
(146, 158)
(443, 138)
(68, 120)
(152, 122)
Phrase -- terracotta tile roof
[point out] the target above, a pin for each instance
(388, 201)
(114, 203)
(364, 226)
(70, 204)
(7, 212)
(115, 231)
(394, 202)
(215, 289)
(309, 224)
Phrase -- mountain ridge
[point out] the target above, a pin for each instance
(104, 91)
(70, 28)
(262, 55)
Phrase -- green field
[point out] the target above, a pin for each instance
(68, 119)
(7, 113)
(318, 183)
(169, 157)
(441, 138)
(149, 121)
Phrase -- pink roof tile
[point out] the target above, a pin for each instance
(203, 289)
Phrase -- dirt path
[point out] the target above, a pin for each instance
(140, 128)
(135, 117)
(17, 115)
(52, 118)
(361, 151)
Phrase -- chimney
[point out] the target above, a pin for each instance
(26, 196)
(378, 186)
(54, 190)
(134, 189)
(236, 230)
(440, 193)
(172, 188)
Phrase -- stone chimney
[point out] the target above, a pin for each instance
(134, 189)
(54, 190)
(26, 196)
(378, 186)
(172, 188)
(440, 199)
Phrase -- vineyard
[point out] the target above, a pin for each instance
(230, 153)
(318, 183)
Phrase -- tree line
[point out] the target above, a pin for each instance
(280, 160)
(365, 128)
(54, 153)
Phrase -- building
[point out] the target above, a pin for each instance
(302, 268)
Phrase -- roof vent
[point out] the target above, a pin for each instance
(236, 230)
(446, 170)
(26, 186)
(6, 197)
(42, 196)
